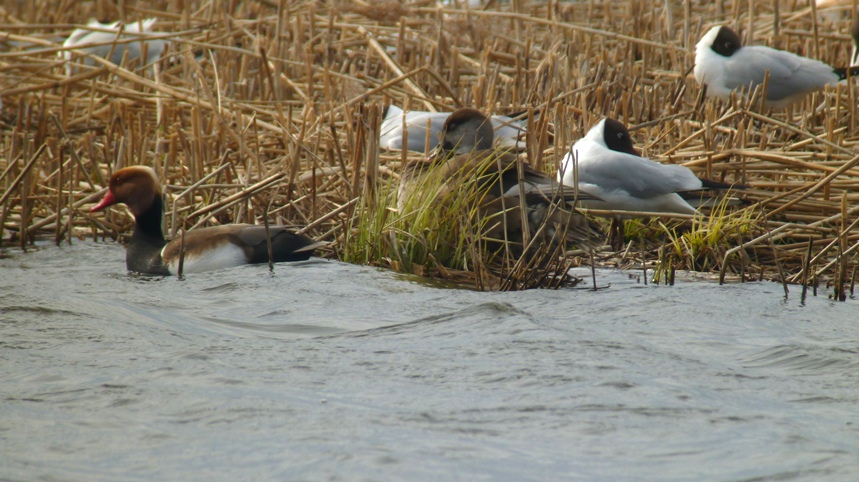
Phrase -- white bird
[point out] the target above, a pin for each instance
(509, 133)
(723, 64)
(611, 169)
(111, 37)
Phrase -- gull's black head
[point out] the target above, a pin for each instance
(617, 137)
(726, 42)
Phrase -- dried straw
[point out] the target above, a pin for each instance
(279, 112)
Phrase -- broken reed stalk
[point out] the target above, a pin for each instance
(181, 268)
(25, 203)
(806, 268)
(23, 174)
(781, 276)
(58, 233)
(643, 260)
(268, 240)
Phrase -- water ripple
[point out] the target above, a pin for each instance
(810, 359)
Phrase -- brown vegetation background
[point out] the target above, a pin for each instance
(281, 113)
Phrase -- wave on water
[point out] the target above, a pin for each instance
(269, 328)
(38, 310)
(491, 315)
(810, 359)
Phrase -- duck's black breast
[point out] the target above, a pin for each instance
(143, 254)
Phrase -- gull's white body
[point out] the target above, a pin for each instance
(791, 77)
(509, 133)
(101, 43)
(625, 181)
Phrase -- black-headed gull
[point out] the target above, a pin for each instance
(609, 167)
(723, 64)
(98, 39)
(467, 152)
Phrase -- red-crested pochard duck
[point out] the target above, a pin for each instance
(466, 151)
(206, 248)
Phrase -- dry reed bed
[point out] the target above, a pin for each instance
(281, 116)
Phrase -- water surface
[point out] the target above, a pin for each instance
(329, 371)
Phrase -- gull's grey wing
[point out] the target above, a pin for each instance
(641, 177)
(391, 135)
(508, 132)
(789, 75)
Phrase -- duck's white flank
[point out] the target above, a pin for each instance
(225, 255)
